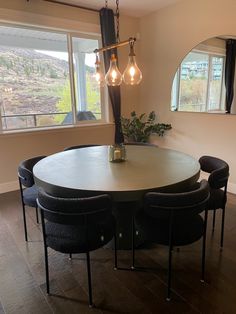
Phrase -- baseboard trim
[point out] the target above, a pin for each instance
(9, 187)
(232, 188)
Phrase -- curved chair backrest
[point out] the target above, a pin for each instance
(186, 204)
(80, 146)
(218, 169)
(75, 211)
(25, 171)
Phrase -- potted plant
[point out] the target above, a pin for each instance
(139, 128)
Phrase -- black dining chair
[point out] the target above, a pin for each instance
(80, 146)
(76, 225)
(218, 180)
(173, 219)
(28, 189)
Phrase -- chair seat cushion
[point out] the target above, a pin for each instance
(73, 238)
(30, 195)
(217, 199)
(185, 231)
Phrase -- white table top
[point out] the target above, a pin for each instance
(88, 171)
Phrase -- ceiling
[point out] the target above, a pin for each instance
(127, 7)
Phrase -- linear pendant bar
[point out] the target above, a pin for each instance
(120, 44)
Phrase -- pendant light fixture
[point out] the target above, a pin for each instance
(98, 72)
(132, 74)
(113, 76)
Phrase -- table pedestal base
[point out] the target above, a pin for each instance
(123, 212)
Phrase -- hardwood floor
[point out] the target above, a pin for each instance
(22, 277)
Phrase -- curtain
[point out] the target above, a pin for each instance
(230, 72)
(108, 38)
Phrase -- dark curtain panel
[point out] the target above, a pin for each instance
(230, 72)
(108, 38)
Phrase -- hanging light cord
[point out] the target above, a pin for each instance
(117, 22)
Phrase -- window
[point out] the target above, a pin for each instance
(198, 84)
(47, 79)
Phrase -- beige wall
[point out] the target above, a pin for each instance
(166, 37)
(16, 147)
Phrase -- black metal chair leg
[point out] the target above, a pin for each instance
(169, 273)
(45, 252)
(222, 228)
(23, 208)
(170, 257)
(46, 269)
(89, 280)
(37, 215)
(70, 256)
(204, 247)
(203, 257)
(115, 248)
(133, 243)
(24, 219)
(214, 219)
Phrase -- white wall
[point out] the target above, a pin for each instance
(166, 37)
(17, 147)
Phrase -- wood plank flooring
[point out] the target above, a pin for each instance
(22, 276)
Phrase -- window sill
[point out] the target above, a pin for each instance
(55, 129)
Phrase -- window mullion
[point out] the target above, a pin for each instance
(208, 82)
(72, 77)
(178, 90)
(81, 82)
(222, 85)
(1, 118)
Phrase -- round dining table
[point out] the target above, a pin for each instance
(85, 172)
(88, 171)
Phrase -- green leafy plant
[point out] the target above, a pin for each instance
(139, 128)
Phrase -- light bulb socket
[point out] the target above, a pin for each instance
(97, 62)
(131, 52)
(131, 49)
(113, 57)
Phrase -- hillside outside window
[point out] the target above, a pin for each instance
(47, 79)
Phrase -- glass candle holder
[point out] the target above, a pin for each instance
(117, 153)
